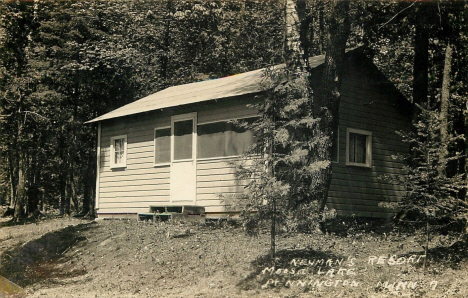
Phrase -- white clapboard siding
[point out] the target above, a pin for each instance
(141, 184)
(216, 180)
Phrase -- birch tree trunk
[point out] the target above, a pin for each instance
(444, 104)
(293, 51)
(421, 56)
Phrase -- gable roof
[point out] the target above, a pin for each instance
(239, 84)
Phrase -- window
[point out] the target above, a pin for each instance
(358, 148)
(118, 152)
(221, 139)
(162, 145)
(183, 139)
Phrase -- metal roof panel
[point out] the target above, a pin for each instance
(235, 85)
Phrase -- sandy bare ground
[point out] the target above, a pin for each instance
(74, 258)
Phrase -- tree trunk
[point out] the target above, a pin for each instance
(11, 165)
(88, 185)
(164, 59)
(33, 184)
(63, 193)
(293, 51)
(88, 174)
(87, 196)
(421, 56)
(321, 28)
(71, 193)
(305, 20)
(444, 104)
(273, 233)
(21, 198)
(465, 192)
(329, 96)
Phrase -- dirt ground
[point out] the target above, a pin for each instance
(66, 257)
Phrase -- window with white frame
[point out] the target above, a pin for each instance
(118, 152)
(162, 145)
(358, 148)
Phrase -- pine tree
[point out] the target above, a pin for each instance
(287, 160)
(429, 191)
(432, 197)
(290, 170)
(284, 166)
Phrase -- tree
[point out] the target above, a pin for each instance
(91, 73)
(431, 196)
(290, 163)
(81, 59)
(421, 47)
(17, 83)
(328, 102)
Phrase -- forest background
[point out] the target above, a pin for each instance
(63, 63)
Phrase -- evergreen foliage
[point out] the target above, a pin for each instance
(284, 166)
(65, 62)
(431, 194)
(291, 160)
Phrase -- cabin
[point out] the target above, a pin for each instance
(176, 147)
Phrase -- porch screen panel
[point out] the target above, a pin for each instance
(224, 138)
(211, 140)
(238, 139)
(183, 134)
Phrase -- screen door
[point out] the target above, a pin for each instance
(183, 161)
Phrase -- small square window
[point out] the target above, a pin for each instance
(358, 148)
(118, 152)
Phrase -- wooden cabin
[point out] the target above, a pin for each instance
(173, 147)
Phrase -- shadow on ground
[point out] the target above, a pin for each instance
(37, 260)
(452, 256)
(343, 226)
(283, 261)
